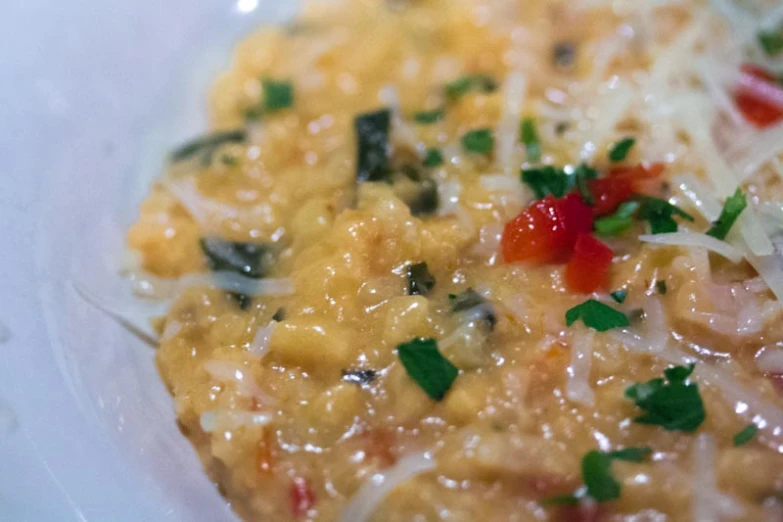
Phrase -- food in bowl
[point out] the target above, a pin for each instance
(483, 260)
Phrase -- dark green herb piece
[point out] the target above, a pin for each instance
(620, 150)
(479, 141)
(564, 54)
(596, 315)
(230, 161)
(279, 315)
(673, 403)
(567, 499)
(243, 301)
(426, 200)
(731, 210)
(660, 214)
(420, 280)
(771, 42)
(619, 295)
(582, 175)
(745, 435)
(530, 140)
(597, 475)
(427, 367)
(472, 300)
(639, 454)
(619, 222)
(429, 117)
(660, 285)
(433, 158)
(359, 376)
(372, 133)
(548, 180)
(247, 259)
(471, 82)
(276, 95)
(207, 145)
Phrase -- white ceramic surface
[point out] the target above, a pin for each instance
(92, 94)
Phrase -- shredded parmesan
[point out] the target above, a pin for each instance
(693, 239)
(578, 388)
(508, 127)
(259, 347)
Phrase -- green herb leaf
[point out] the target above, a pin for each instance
(471, 82)
(673, 404)
(620, 150)
(420, 280)
(660, 284)
(732, 209)
(207, 145)
(279, 315)
(582, 175)
(480, 308)
(596, 315)
(247, 259)
(427, 367)
(426, 200)
(548, 180)
(530, 140)
(771, 42)
(372, 133)
(567, 499)
(660, 214)
(619, 222)
(631, 454)
(433, 158)
(597, 474)
(429, 117)
(277, 95)
(619, 295)
(479, 141)
(745, 435)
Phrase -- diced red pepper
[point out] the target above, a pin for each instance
(302, 497)
(637, 172)
(546, 231)
(587, 269)
(620, 184)
(759, 110)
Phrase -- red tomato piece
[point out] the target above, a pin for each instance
(583, 513)
(608, 193)
(302, 497)
(586, 270)
(546, 231)
(757, 109)
(637, 172)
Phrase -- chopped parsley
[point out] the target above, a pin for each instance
(620, 150)
(660, 285)
(247, 259)
(672, 403)
(426, 200)
(479, 141)
(619, 295)
(428, 117)
(359, 376)
(548, 180)
(566, 499)
(472, 82)
(745, 435)
(433, 158)
(529, 136)
(372, 134)
(581, 176)
(277, 95)
(480, 308)
(660, 214)
(731, 210)
(427, 367)
(207, 145)
(596, 315)
(639, 454)
(619, 222)
(771, 42)
(279, 315)
(420, 280)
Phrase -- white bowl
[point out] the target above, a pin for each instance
(92, 95)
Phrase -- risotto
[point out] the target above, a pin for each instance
(483, 260)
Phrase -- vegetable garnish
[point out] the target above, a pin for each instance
(207, 145)
(620, 150)
(732, 209)
(427, 367)
(639, 454)
(660, 285)
(566, 499)
(587, 269)
(530, 140)
(277, 95)
(359, 376)
(372, 133)
(279, 315)
(583, 175)
(429, 117)
(420, 280)
(660, 214)
(433, 158)
(745, 435)
(247, 259)
(471, 82)
(619, 295)
(771, 42)
(619, 222)
(756, 94)
(479, 141)
(596, 315)
(609, 193)
(548, 180)
(473, 301)
(426, 200)
(673, 403)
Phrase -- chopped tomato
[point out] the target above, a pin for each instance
(637, 172)
(608, 193)
(759, 97)
(302, 497)
(586, 270)
(546, 231)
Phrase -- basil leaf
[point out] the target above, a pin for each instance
(429, 117)
(530, 139)
(745, 435)
(619, 295)
(372, 133)
(207, 145)
(620, 150)
(433, 158)
(479, 141)
(359, 376)
(619, 222)
(673, 403)
(420, 280)
(596, 315)
(426, 200)
(472, 301)
(471, 82)
(660, 214)
(582, 175)
(427, 367)
(631, 454)
(771, 42)
(247, 259)
(548, 180)
(597, 475)
(277, 95)
(731, 210)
